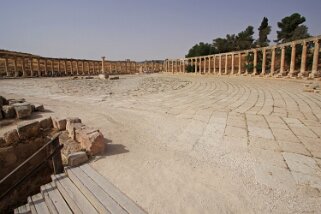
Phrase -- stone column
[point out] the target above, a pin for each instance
(209, 64)
(103, 64)
(314, 72)
(31, 67)
(204, 69)
(71, 68)
(232, 69)
(65, 68)
(52, 68)
(220, 65)
(172, 64)
(263, 61)
(240, 64)
(6, 67)
(282, 71)
(46, 71)
(77, 68)
(184, 66)
(303, 59)
(292, 64)
(194, 62)
(214, 64)
(226, 61)
(39, 71)
(254, 61)
(24, 74)
(82, 67)
(16, 73)
(272, 61)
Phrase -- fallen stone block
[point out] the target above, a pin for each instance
(77, 158)
(8, 112)
(91, 140)
(114, 78)
(72, 124)
(46, 124)
(14, 101)
(2, 142)
(308, 90)
(11, 137)
(28, 130)
(3, 101)
(39, 108)
(59, 124)
(33, 108)
(23, 110)
(317, 91)
(89, 77)
(103, 76)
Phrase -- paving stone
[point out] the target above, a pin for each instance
(307, 179)
(267, 156)
(291, 147)
(284, 135)
(231, 131)
(274, 177)
(300, 163)
(263, 143)
(260, 132)
(313, 145)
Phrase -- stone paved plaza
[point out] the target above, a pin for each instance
(183, 143)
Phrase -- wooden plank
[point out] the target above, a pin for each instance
(40, 204)
(76, 195)
(88, 194)
(44, 191)
(24, 209)
(71, 203)
(98, 192)
(111, 190)
(58, 200)
(60, 206)
(32, 206)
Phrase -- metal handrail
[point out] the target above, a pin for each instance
(52, 154)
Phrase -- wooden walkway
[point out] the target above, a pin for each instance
(79, 190)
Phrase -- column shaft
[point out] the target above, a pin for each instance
(292, 64)
(254, 61)
(272, 61)
(264, 61)
(282, 71)
(303, 59)
(314, 72)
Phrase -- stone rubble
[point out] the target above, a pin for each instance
(17, 108)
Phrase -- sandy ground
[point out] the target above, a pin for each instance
(197, 144)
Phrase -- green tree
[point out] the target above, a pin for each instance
(292, 28)
(264, 31)
(200, 49)
(244, 39)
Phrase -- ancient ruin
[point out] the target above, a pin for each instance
(234, 139)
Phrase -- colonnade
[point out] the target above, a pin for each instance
(18, 66)
(272, 61)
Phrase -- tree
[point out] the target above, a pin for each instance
(264, 31)
(200, 49)
(292, 28)
(245, 39)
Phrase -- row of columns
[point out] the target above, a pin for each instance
(15, 67)
(214, 63)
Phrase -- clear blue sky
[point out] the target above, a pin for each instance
(137, 30)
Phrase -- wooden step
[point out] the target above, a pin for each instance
(54, 199)
(95, 194)
(37, 204)
(124, 201)
(24, 209)
(77, 202)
